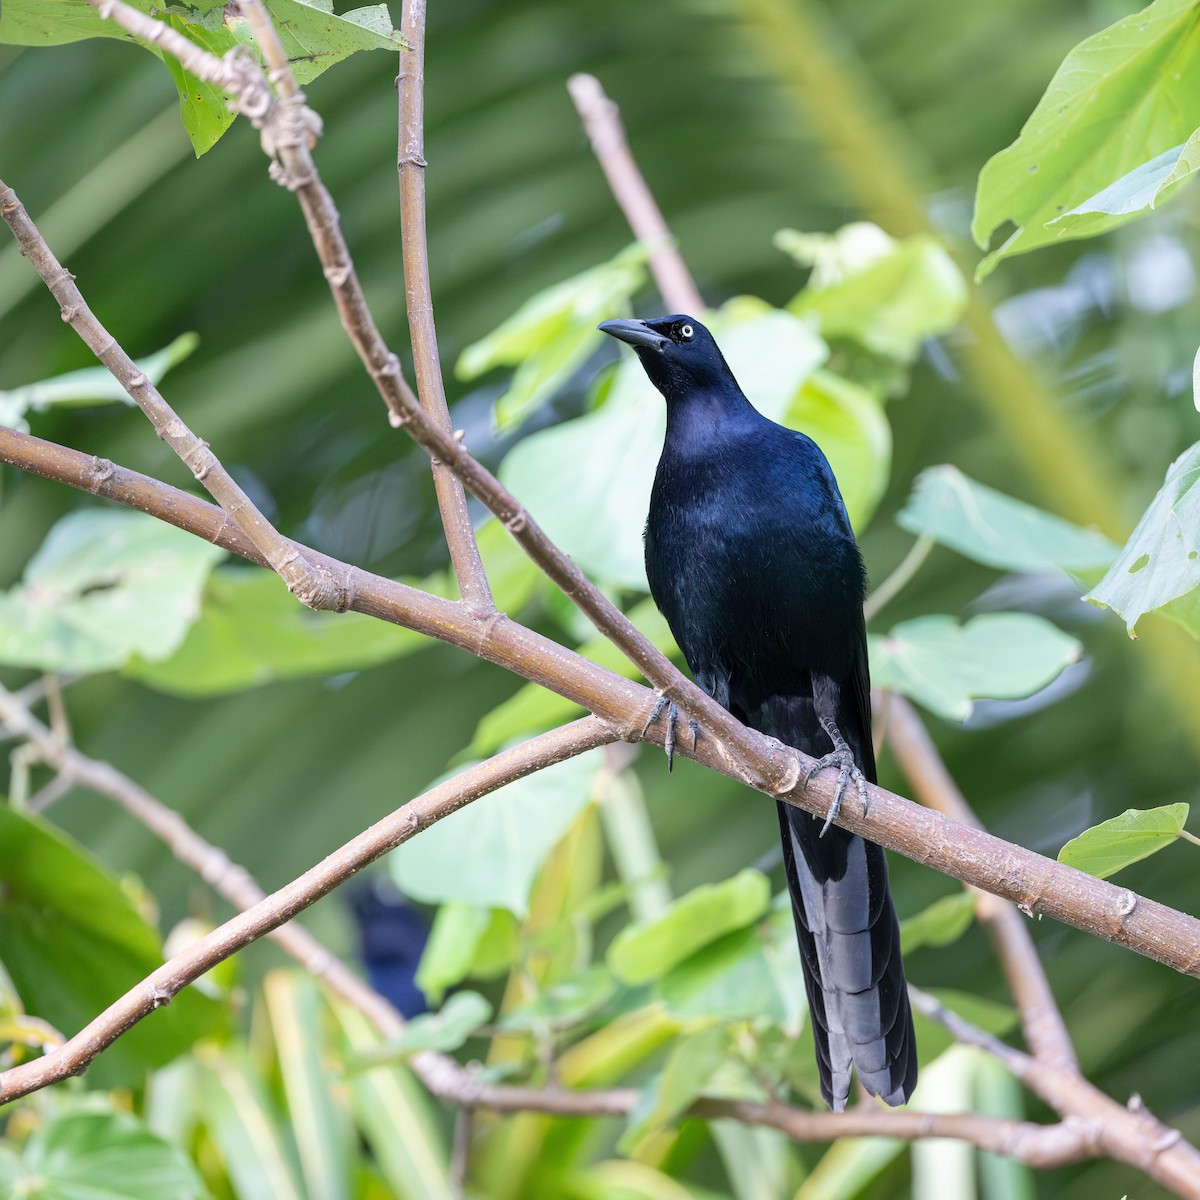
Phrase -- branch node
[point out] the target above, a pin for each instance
(102, 470)
(160, 996)
(1127, 903)
(516, 522)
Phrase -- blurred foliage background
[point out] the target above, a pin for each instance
(747, 116)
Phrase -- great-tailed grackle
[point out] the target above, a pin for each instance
(751, 558)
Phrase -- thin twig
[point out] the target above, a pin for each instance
(602, 120)
(418, 290)
(1035, 883)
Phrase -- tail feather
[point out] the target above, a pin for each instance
(850, 946)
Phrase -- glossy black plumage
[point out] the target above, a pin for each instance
(751, 558)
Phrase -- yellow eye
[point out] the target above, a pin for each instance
(686, 331)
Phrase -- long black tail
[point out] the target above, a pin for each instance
(850, 947)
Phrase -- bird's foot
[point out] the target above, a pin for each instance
(848, 770)
(673, 715)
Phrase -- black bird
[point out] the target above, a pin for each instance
(751, 558)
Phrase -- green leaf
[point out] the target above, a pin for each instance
(1118, 101)
(944, 665)
(1161, 561)
(99, 1156)
(92, 385)
(72, 942)
(104, 585)
(548, 338)
(245, 1125)
(325, 1138)
(568, 1002)
(1136, 834)
(1137, 192)
(588, 481)
(313, 36)
(941, 924)
(387, 1100)
(997, 530)
(466, 940)
(445, 1030)
(649, 949)
(490, 852)
(888, 295)
(533, 708)
(730, 979)
(689, 1068)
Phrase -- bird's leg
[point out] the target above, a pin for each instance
(673, 715)
(842, 758)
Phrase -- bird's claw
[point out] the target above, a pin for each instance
(673, 715)
(848, 770)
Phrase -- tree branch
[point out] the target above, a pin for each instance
(1036, 884)
(418, 291)
(1038, 1145)
(602, 120)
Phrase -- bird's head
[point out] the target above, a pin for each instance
(677, 352)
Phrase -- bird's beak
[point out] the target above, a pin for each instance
(636, 333)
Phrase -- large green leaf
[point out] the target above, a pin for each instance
(104, 586)
(1136, 834)
(729, 979)
(99, 1156)
(490, 852)
(72, 942)
(466, 940)
(1137, 192)
(888, 295)
(313, 36)
(941, 924)
(1118, 100)
(648, 949)
(548, 338)
(445, 1030)
(1161, 561)
(995, 529)
(588, 481)
(91, 385)
(944, 665)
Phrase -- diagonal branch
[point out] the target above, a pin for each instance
(1036, 884)
(410, 159)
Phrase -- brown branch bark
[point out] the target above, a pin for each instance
(418, 291)
(1036, 884)
(602, 120)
